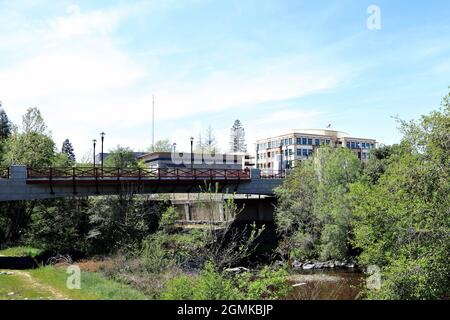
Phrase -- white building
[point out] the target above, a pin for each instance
(282, 151)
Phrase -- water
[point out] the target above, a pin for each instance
(328, 285)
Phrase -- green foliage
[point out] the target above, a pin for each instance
(402, 221)
(21, 251)
(267, 284)
(161, 146)
(32, 149)
(15, 217)
(32, 146)
(94, 286)
(155, 256)
(32, 121)
(375, 167)
(168, 219)
(211, 284)
(121, 157)
(67, 149)
(118, 222)
(5, 124)
(59, 226)
(62, 160)
(313, 213)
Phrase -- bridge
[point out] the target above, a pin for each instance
(22, 183)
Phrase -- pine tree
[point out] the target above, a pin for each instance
(237, 138)
(67, 149)
(5, 124)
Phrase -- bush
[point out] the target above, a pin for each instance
(168, 219)
(211, 284)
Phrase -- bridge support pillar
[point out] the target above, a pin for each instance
(187, 211)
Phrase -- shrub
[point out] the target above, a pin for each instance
(168, 219)
(211, 284)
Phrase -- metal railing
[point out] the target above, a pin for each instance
(77, 173)
(4, 173)
(273, 174)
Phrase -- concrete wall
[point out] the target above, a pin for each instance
(261, 210)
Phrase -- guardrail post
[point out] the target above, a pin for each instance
(51, 181)
(96, 180)
(73, 181)
(255, 174)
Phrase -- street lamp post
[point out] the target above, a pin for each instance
(102, 135)
(281, 158)
(94, 143)
(174, 146)
(192, 153)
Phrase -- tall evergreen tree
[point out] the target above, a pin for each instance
(67, 149)
(237, 138)
(5, 124)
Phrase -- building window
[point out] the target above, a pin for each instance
(269, 145)
(348, 145)
(291, 152)
(327, 141)
(310, 152)
(298, 140)
(317, 142)
(286, 141)
(357, 145)
(290, 141)
(304, 141)
(363, 145)
(352, 145)
(299, 152)
(286, 152)
(305, 152)
(310, 141)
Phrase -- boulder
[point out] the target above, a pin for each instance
(237, 270)
(308, 266)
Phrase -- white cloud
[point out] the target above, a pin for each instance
(71, 68)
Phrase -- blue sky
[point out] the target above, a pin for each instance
(92, 66)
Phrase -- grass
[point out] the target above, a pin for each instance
(94, 286)
(14, 287)
(21, 251)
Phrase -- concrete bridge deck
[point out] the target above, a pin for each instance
(22, 183)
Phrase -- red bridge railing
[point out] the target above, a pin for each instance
(78, 173)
